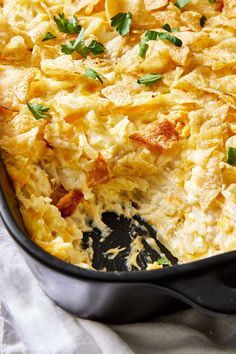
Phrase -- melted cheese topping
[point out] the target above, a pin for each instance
(157, 151)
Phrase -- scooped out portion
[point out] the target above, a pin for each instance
(125, 107)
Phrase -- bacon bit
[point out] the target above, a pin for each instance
(69, 202)
(100, 173)
(158, 136)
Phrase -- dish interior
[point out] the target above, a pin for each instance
(124, 109)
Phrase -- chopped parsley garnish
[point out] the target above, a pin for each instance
(164, 261)
(231, 156)
(211, 1)
(143, 47)
(48, 36)
(96, 48)
(149, 79)
(76, 46)
(167, 28)
(203, 20)
(182, 3)
(79, 46)
(38, 111)
(122, 22)
(92, 74)
(68, 48)
(67, 26)
(176, 41)
(154, 35)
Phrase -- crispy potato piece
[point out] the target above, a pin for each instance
(229, 7)
(69, 202)
(57, 194)
(14, 86)
(118, 95)
(73, 6)
(100, 173)
(157, 136)
(151, 5)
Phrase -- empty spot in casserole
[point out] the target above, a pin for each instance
(136, 247)
(113, 252)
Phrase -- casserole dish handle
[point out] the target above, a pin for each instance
(211, 290)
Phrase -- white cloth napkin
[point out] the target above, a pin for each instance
(30, 323)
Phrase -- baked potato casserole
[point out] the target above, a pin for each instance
(126, 106)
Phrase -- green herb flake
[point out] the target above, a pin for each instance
(182, 3)
(38, 111)
(84, 52)
(79, 46)
(172, 39)
(122, 22)
(92, 74)
(67, 26)
(143, 48)
(167, 28)
(96, 48)
(149, 79)
(48, 36)
(164, 261)
(231, 156)
(153, 35)
(76, 46)
(203, 20)
(211, 1)
(68, 48)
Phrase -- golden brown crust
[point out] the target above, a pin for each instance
(100, 173)
(157, 136)
(69, 202)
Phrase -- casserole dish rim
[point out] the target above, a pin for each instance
(23, 240)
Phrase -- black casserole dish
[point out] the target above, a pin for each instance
(121, 297)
